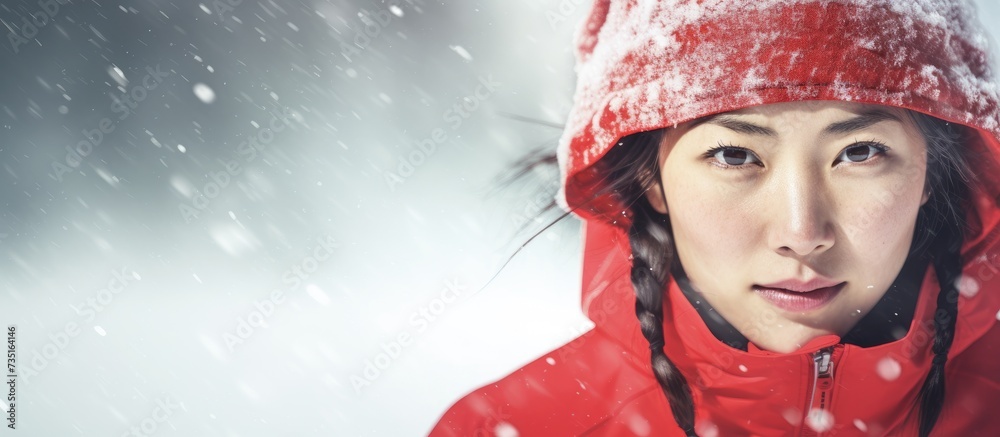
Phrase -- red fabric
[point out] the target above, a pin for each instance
(645, 65)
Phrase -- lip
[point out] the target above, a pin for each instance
(801, 286)
(799, 301)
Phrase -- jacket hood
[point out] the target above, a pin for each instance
(645, 64)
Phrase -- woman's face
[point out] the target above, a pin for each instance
(770, 202)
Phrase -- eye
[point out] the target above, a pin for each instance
(728, 156)
(862, 151)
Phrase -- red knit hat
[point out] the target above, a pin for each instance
(647, 64)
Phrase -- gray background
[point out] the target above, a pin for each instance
(191, 282)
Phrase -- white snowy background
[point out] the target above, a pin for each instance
(190, 327)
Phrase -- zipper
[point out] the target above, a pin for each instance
(818, 417)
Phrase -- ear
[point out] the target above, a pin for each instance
(925, 197)
(655, 196)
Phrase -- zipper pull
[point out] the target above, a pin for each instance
(824, 362)
(818, 416)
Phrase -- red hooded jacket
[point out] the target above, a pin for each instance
(645, 64)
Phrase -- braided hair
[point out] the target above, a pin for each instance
(632, 168)
(943, 223)
(653, 255)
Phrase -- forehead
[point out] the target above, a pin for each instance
(827, 118)
(813, 119)
(813, 108)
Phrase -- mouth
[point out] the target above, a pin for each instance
(798, 301)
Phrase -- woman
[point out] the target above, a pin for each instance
(799, 201)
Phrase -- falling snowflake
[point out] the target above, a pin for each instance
(461, 52)
(204, 93)
(889, 369)
(967, 286)
(638, 425)
(317, 294)
(707, 429)
(819, 420)
(504, 429)
(118, 76)
(793, 416)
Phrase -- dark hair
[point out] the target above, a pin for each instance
(632, 167)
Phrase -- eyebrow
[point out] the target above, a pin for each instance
(861, 121)
(735, 124)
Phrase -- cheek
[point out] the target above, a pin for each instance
(878, 219)
(878, 231)
(712, 230)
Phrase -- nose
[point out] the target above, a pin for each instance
(800, 217)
